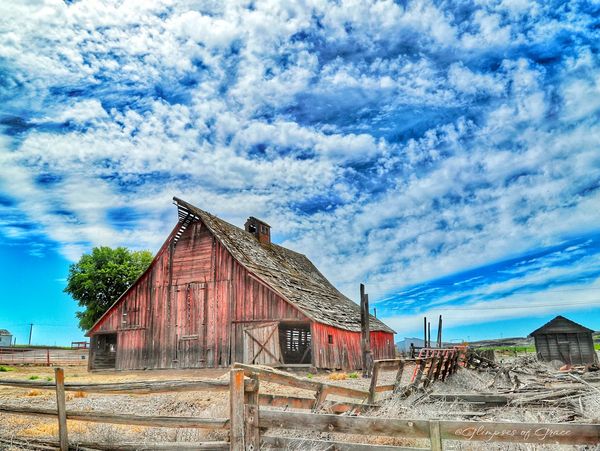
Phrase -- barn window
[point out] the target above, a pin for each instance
(330, 339)
(295, 342)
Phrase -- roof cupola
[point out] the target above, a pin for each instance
(260, 229)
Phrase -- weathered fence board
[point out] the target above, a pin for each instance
(545, 433)
(280, 377)
(112, 418)
(344, 424)
(34, 443)
(127, 387)
(298, 443)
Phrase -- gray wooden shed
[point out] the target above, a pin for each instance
(5, 338)
(564, 340)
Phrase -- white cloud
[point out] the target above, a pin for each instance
(392, 144)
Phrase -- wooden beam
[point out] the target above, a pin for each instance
(124, 446)
(279, 377)
(373, 386)
(540, 433)
(299, 443)
(140, 420)
(344, 424)
(294, 402)
(128, 387)
(236, 409)
(63, 436)
(252, 419)
(435, 435)
(470, 397)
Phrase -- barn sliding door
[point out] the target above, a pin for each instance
(261, 344)
(190, 325)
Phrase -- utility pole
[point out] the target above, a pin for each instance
(30, 332)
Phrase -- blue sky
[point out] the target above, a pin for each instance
(444, 153)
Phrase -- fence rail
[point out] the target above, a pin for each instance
(43, 356)
(252, 414)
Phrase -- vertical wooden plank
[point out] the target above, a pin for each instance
(252, 430)
(368, 337)
(398, 380)
(435, 435)
(429, 377)
(373, 386)
(320, 397)
(236, 409)
(59, 377)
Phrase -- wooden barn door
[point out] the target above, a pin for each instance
(190, 325)
(261, 344)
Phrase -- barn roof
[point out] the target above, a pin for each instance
(4, 332)
(289, 273)
(560, 325)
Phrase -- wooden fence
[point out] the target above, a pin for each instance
(43, 356)
(253, 414)
(435, 364)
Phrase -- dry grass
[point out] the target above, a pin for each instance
(35, 393)
(337, 376)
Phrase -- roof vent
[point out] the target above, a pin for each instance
(260, 229)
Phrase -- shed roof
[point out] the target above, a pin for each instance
(4, 332)
(287, 272)
(560, 325)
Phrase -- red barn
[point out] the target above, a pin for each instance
(217, 294)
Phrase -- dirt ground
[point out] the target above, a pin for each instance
(216, 404)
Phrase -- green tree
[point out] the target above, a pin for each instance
(98, 279)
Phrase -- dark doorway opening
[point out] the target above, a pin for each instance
(296, 343)
(104, 352)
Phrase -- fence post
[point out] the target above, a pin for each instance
(236, 409)
(435, 436)
(59, 376)
(47, 356)
(252, 430)
(373, 386)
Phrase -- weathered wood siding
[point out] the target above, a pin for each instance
(572, 348)
(345, 352)
(191, 307)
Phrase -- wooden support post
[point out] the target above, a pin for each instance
(47, 356)
(435, 435)
(368, 336)
(428, 335)
(367, 358)
(61, 407)
(251, 429)
(439, 334)
(373, 386)
(448, 362)
(236, 409)
(424, 331)
(418, 374)
(429, 377)
(439, 365)
(398, 380)
(320, 397)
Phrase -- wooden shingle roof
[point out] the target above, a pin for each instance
(560, 325)
(287, 272)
